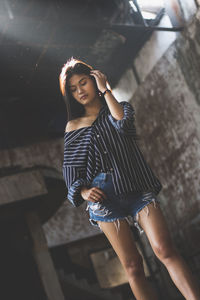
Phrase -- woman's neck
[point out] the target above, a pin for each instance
(93, 110)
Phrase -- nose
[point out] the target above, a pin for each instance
(80, 89)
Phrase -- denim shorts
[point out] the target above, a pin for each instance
(115, 207)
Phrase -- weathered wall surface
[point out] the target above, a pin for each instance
(167, 108)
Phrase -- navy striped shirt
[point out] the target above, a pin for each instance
(107, 145)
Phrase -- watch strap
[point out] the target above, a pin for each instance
(107, 90)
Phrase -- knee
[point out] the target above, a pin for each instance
(164, 250)
(134, 267)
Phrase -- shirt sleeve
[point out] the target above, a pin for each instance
(126, 124)
(74, 179)
(75, 167)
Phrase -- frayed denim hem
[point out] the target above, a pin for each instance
(115, 220)
(136, 217)
(132, 220)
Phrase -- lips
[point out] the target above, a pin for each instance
(83, 97)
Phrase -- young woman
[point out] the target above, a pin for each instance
(104, 166)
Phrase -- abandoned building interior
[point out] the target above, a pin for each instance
(150, 52)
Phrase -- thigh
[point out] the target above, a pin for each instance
(122, 240)
(154, 225)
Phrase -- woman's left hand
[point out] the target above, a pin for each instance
(100, 79)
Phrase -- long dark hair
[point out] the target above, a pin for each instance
(71, 67)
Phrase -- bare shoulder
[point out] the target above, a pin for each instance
(72, 125)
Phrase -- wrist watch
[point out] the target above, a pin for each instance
(107, 90)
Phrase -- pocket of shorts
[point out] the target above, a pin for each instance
(96, 182)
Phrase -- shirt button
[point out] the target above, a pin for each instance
(98, 135)
(105, 152)
(111, 169)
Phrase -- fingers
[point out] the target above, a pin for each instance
(97, 195)
(98, 73)
(101, 79)
(100, 193)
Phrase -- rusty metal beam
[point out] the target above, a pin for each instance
(174, 11)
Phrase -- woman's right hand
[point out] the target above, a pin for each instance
(93, 194)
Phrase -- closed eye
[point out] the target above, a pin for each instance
(81, 84)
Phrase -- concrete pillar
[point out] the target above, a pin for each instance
(43, 259)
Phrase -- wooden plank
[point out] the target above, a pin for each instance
(109, 270)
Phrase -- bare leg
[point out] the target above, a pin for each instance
(124, 245)
(156, 229)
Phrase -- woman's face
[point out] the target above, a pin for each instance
(82, 88)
